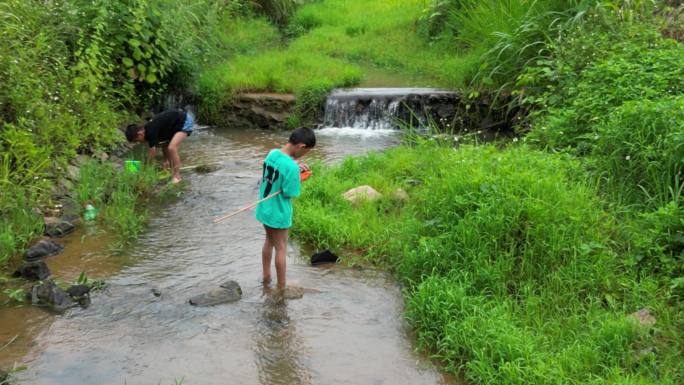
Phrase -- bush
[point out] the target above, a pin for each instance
(596, 71)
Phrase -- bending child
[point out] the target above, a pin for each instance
(281, 176)
(168, 129)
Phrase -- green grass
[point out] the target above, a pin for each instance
(18, 223)
(120, 198)
(331, 43)
(512, 266)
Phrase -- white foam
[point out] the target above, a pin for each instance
(358, 132)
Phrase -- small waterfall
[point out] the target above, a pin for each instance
(385, 108)
(177, 101)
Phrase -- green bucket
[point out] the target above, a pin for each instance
(132, 166)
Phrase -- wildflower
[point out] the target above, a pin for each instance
(628, 157)
(515, 139)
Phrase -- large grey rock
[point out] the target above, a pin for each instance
(229, 291)
(43, 249)
(49, 294)
(361, 193)
(33, 271)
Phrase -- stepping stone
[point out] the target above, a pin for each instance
(229, 291)
(58, 228)
(43, 249)
(33, 271)
(48, 293)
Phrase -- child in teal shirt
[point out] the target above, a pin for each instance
(281, 179)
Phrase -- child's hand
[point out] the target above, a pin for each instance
(304, 172)
(303, 167)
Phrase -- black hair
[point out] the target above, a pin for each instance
(303, 135)
(132, 130)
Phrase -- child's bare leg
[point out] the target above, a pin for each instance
(174, 157)
(166, 163)
(279, 239)
(267, 256)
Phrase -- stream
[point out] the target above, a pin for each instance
(351, 331)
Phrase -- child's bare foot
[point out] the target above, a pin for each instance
(176, 179)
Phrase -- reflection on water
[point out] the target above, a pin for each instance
(277, 346)
(348, 332)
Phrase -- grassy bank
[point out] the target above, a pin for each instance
(514, 271)
(330, 43)
(522, 263)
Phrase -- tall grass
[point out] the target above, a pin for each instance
(120, 197)
(511, 265)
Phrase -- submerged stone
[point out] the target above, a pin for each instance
(43, 249)
(77, 291)
(229, 291)
(33, 271)
(206, 168)
(49, 294)
(324, 257)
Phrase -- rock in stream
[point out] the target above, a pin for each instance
(43, 249)
(229, 291)
(51, 295)
(33, 271)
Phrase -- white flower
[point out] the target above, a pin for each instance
(515, 139)
(628, 157)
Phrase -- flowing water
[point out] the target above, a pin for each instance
(384, 108)
(349, 332)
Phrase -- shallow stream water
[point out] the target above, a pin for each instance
(349, 332)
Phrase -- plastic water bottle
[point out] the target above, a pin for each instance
(89, 213)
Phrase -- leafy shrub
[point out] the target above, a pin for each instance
(596, 71)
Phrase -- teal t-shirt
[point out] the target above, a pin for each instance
(280, 172)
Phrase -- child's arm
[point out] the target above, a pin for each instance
(291, 183)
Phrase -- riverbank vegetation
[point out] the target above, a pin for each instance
(75, 72)
(527, 262)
